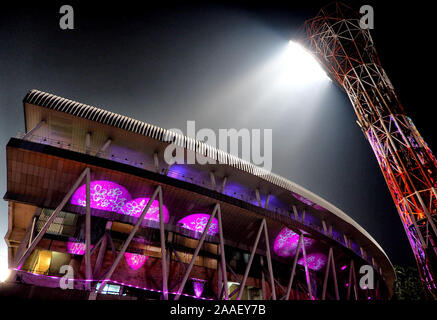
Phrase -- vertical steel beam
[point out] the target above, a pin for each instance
(325, 281)
(293, 271)
(352, 278)
(296, 214)
(249, 264)
(269, 261)
(258, 197)
(35, 128)
(266, 204)
(104, 147)
(196, 252)
(88, 269)
(100, 256)
(27, 238)
(263, 281)
(163, 253)
(32, 231)
(87, 143)
(222, 251)
(219, 277)
(55, 213)
(212, 178)
(331, 263)
(307, 273)
(156, 161)
(325, 229)
(225, 180)
(334, 274)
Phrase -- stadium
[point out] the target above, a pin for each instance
(89, 191)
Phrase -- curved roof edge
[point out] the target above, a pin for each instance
(50, 101)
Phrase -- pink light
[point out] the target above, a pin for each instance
(134, 260)
(110, 281)
(344, 267)
(315, 261)
(78, 248)
(198, 285)
(135, 208)
(307, 201)
(198, 221)
(105, 195)
(286, 243)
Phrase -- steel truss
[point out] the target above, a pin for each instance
(95, 276)
(409, 167)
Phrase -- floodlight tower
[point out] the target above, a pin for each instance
(347, 52)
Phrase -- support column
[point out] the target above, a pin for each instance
(249, 264)
(196, 252)
(263, 281)
(55, 213)
(87, 143)
(222, 252)
(331, 262)
(269, 261)
(225, 180)
(258, 197)
(104, 147)
(266, 205)
(307, 273)
(111, 270)
(35, 128)
(88, 269)
(156, 161)
(296, 214)
(212, 178)
(163, 252)
(102, 250)
(352, 278)
(293, 271)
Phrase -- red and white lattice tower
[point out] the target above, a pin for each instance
(348, 53)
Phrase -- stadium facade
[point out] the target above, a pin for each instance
(95, 213)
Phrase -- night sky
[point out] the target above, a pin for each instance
(198, 61)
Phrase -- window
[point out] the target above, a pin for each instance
(46, 262)
(110, 289)
(64, 223)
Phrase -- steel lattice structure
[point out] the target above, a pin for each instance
(348, 53)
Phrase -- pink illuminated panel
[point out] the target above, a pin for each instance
(198, 285)
(286, 242)
(135, 208)
(316, 261)
(134, 260)
(105, 195)
(77, 248)
(197, 222)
